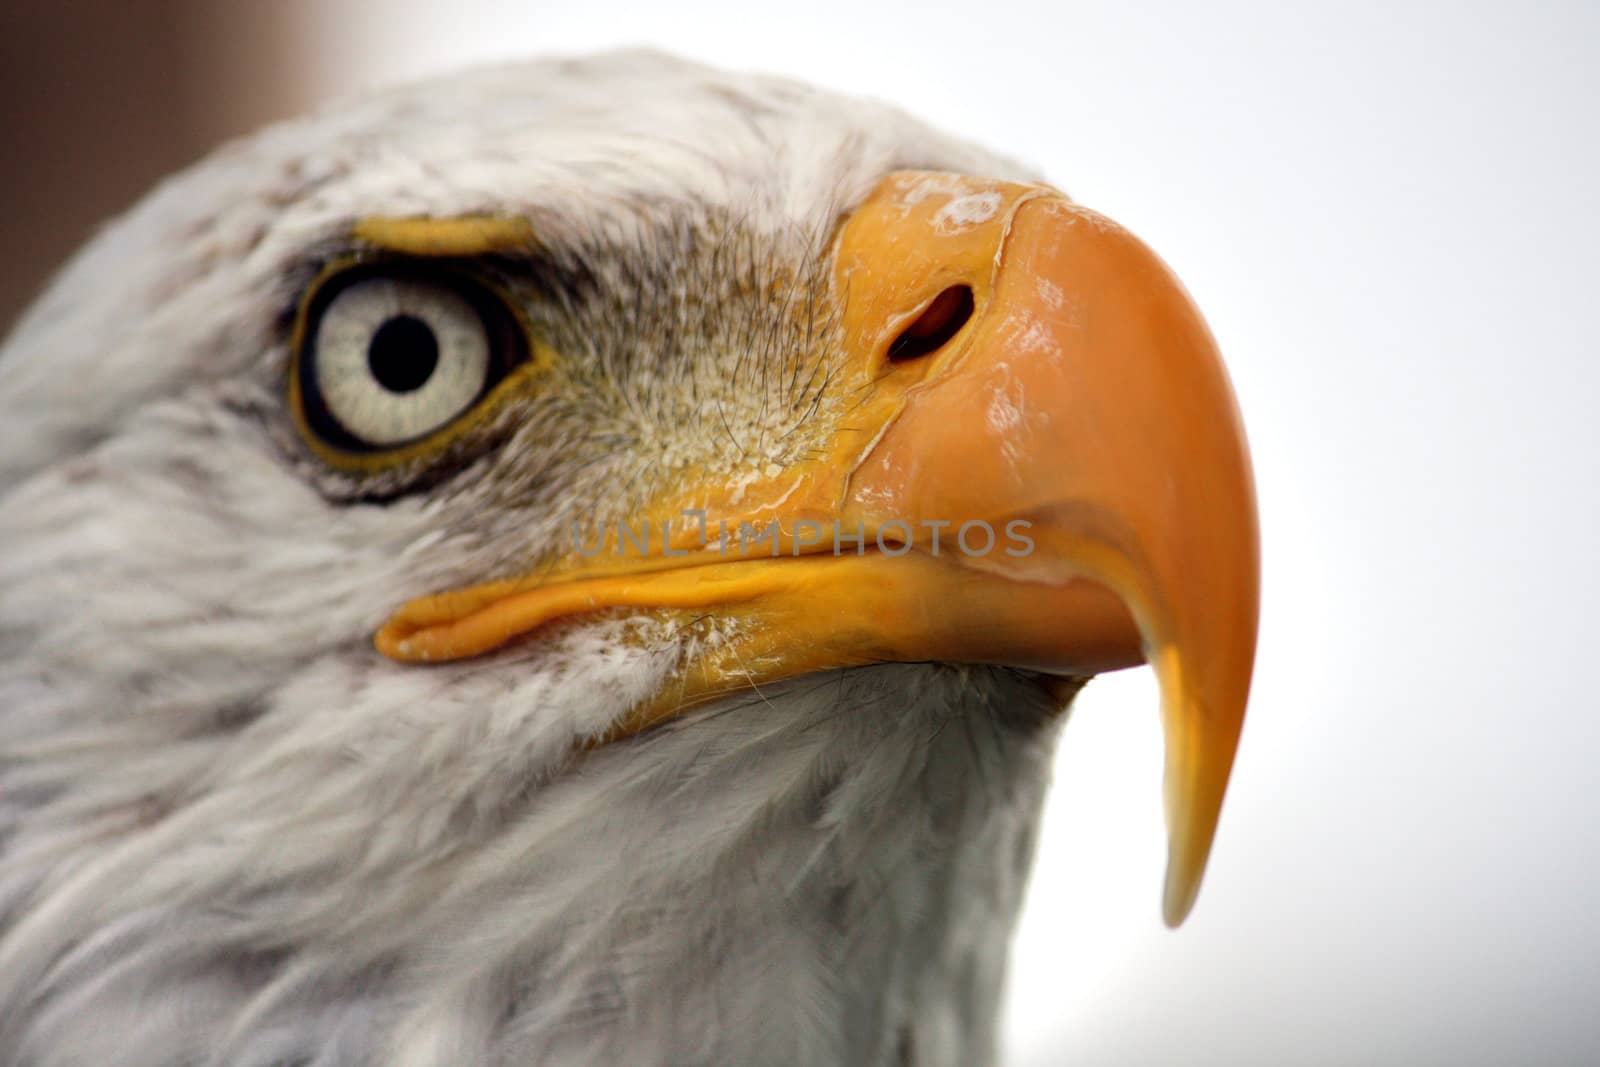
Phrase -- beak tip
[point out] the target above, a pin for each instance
(1179, 896)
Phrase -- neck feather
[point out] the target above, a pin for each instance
(826, 872)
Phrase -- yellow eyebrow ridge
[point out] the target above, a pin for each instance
(469, 235)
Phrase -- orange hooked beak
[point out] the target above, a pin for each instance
(1048, 472)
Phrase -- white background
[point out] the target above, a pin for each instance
(1388, 213)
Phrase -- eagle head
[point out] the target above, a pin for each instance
(583, 562)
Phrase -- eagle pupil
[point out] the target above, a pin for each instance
(403, 353)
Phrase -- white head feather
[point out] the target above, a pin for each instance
(232, 833)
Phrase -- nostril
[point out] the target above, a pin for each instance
(942, 320)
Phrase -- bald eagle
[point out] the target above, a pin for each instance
(585, 562)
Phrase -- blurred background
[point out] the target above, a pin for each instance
(1388, 213)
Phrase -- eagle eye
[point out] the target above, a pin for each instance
(391, 356)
